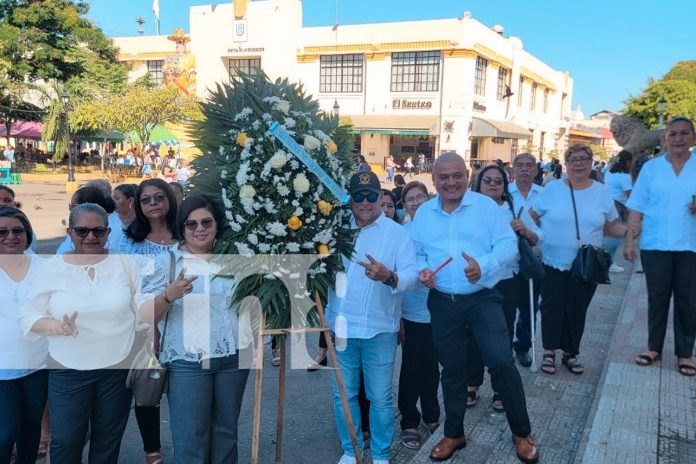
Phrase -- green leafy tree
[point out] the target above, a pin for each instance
(683, 71)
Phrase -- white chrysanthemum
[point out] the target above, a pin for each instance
(243, 248)
(300, 184)
(323, 237)
(226, 201)
(289, 123)
(293, 247)
(253, 239)
(299, 212)
(242, 175)
(247, 191)
(256, 125)
(311, 143)
(270, 207)
(283, 190)
(266, 117)
(234, 226)
(294, 164)
(282, 105)
(276, 228)
(278, 160)
(239, 218)
(322, 136)
(271, 100)
(264, 247)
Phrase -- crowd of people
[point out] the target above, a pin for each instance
(438, 274)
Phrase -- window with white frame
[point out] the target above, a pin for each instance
(502, 83)
(341, 73)
(415, 71)
(154, 68)
(243, 65)
(480, 76)
(532, 97)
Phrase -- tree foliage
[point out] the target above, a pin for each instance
(677, 88)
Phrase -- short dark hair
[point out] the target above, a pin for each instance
(139, 227)
(91, 194)
(8, 190)
(176, 185)
(127, 190)
(414, 184)
(575, 148)
(399, 180)
(681, 119)
(194, 202)
(9, 212)
(623, 162)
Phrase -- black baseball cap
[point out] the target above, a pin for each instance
(362, 181)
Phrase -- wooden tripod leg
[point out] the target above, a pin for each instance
(339, 380)
(281, 402)
(256, 425)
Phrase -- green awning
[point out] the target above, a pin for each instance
(160, 135)
(114, 136)
(405, 132)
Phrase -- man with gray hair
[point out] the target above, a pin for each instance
(524, 192)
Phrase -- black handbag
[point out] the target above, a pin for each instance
(591, 263)
(147, 378)
(530, 264)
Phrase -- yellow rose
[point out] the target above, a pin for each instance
(242, 138)
(294, 223)
(324, 250)
(324, 206)
(332, 147)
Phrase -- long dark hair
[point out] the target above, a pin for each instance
(391, 195)
(14, 213)
(623, 163)
(506, 193)
(194, 202)
(138, 229)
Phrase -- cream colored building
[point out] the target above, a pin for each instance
(409, 87)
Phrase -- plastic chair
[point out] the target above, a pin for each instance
(16, 178)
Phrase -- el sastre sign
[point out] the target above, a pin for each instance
(406, 104)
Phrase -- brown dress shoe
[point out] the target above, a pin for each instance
(527, 450)
(446, 447)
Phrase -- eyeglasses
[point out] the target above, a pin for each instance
(416, 200)
(156, 199)
(16, 231)
(490, 180)
(360, 197)
(579, 160)
(206, 223)
(84, 231)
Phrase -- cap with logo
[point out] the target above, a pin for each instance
(365, 181)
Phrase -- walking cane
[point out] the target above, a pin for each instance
(532, 323)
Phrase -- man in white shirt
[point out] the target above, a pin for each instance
(469, 230)
(365, 315)
(524, 191)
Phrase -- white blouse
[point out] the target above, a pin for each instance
(554, 206)
(106, 312)
(18, 357)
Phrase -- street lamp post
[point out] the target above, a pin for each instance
(66, 101)
(661, 107)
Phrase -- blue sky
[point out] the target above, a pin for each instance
(610, 47)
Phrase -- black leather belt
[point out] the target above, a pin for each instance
(451, 296)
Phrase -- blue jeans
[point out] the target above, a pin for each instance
(390, 174)
(78, 400)
(204, 405)
(376, 357)
(22, 403)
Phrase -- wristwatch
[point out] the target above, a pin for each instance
(390, 280)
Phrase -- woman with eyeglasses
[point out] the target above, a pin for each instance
(23, 379)
(206, 384)
(152, 231)
(87, 194)
(82, 302)
(419, 378)
(493, 182)
(564, 300)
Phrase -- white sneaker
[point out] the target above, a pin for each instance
(345, 459)
(615, 268)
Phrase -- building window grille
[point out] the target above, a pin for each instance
(519, 92)
(341, 73)
(154, 68)
(245, 65)
(480, 76)
(502, 82)
(415, 71)
(546, 100)
(532, 101)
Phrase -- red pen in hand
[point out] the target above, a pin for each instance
(439, 268)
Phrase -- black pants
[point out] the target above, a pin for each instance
(523, 329)
(475, 369)
(22, 403)
(480, 312)
(148, 418)
(667, 274)
(564, 303)
(419, 377)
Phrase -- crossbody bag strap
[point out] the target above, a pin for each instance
(575, 212)
(172, 270)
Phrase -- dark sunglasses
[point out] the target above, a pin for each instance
(360, 197)
(207, 223)
(16, 231)
(84, 231)
(490, 180)
(156, 199)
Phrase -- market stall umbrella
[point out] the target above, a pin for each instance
(23, 130)
(160, 135)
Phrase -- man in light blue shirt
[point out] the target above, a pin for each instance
(365, 312)
(470, 229)
(524, 192)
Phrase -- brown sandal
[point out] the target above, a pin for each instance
(644, 359)
(548, 363)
